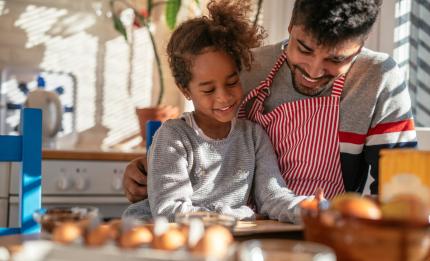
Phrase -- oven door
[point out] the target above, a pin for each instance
(3, 212)
(109, 206)
(4, 192)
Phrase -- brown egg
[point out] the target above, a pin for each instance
(406, 207)
(67, 232)
(172, 239)
(214, 242)
(309, 204)
(115, 225)
(100, 235)
(135, 237)
(354, 205)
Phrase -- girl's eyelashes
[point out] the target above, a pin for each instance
(233, 83)
(208, 91)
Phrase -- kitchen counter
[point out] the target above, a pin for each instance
(107, 155)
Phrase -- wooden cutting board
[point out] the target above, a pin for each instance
(246, 228)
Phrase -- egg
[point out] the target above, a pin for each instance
(67, 232)
(353, 205)
(100, 235)
(309, 204)
(115, 225)
(135, 237)
(214, 242)
(172, 239)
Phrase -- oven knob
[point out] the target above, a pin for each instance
(63, 183)
(81, 183)
(117, 183)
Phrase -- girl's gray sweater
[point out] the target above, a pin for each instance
(190, 173)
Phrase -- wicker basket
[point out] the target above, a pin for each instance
(362, 239)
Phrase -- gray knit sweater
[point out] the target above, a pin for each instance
(190, 173)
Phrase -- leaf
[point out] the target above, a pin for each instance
(149, 7)
(119, 26)
(171, 12)
(197, 2)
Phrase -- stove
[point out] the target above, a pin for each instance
(72, 179)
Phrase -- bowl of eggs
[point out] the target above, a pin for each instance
(53, 217)
(359, 228)
(159, 240)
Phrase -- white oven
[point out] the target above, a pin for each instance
(73, 182)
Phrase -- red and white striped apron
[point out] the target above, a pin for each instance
(304, 135)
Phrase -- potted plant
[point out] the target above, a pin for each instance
(143, 17)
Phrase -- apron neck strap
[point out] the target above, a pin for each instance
(337, 88)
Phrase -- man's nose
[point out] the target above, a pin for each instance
(315, 69)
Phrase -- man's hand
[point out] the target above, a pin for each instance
(134, 180)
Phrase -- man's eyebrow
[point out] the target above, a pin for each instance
(339, 57)
(304, 45)
(343, 57)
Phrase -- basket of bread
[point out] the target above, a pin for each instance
(363, 228)
(392, 226)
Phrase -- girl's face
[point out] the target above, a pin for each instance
(215, 88)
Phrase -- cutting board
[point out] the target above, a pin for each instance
(247, 228)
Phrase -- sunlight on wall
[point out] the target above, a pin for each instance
(119, 92)
(78, 39)
(76, 54)
(116, 98)
(143, 58)
(37, 21)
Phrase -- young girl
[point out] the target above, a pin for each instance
(208, 160)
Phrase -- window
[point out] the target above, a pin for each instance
(412, 52)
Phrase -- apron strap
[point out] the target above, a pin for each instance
(263, 90)
(337, 88)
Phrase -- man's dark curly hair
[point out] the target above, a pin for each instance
(334, 21)
(227, 28)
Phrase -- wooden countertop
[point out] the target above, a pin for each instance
(111, 155)
(249, 228)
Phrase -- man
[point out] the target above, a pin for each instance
(328, 104)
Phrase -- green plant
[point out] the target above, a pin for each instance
(143, 18)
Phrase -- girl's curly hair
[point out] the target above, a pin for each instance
(227, 28)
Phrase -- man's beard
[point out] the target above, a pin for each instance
(326, 80)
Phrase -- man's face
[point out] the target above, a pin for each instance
(313, 66)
